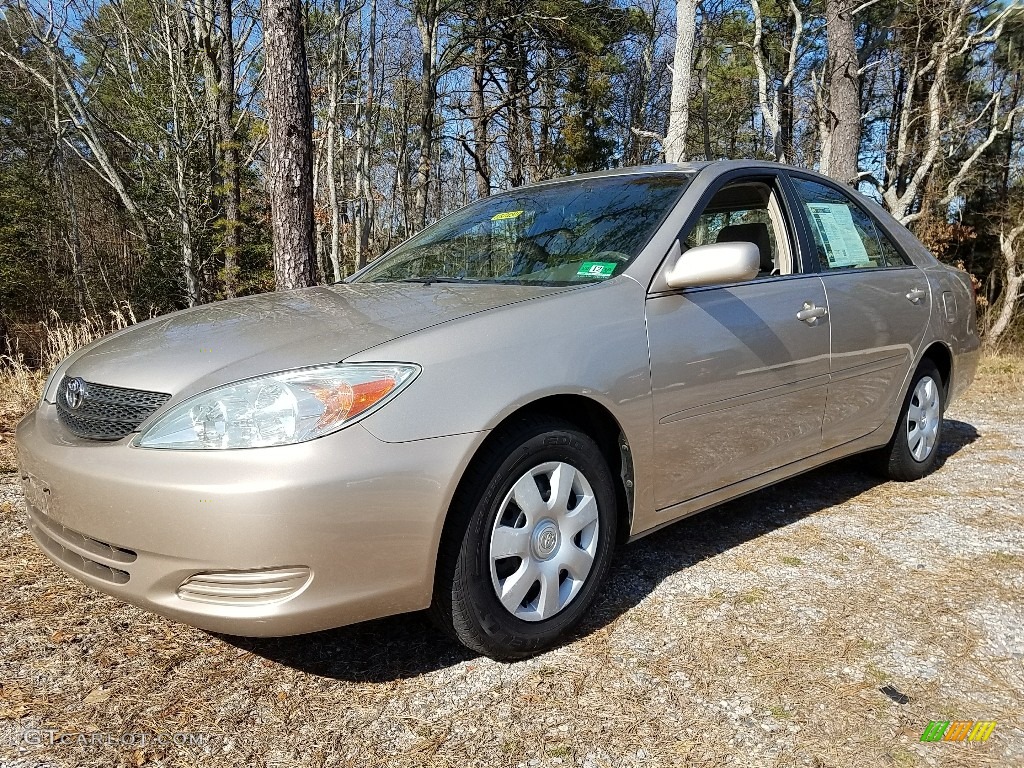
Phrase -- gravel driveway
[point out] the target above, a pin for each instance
(759, 633)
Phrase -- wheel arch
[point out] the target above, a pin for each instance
(940, 354)
(587, 415)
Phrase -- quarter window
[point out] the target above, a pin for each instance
(845, 236)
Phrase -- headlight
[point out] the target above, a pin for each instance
(279, 409)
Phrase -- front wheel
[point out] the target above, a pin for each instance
(530, 541)
(914, 449)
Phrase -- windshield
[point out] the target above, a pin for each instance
(555, 234)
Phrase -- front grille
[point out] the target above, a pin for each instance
(106, 413)
(57, 541)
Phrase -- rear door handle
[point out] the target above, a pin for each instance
(810, 313)
(915, 295)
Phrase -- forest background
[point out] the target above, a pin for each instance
(157, 154)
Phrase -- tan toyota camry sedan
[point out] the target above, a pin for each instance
(475, 420)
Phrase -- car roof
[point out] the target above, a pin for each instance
(673, 168)
(630, 170)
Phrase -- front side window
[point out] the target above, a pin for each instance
(845, 236)
(746, 211)
(556, 234)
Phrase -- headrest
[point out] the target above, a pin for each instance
(757, 234)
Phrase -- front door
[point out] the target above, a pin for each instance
(739, 382)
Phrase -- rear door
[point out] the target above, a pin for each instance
(878, 305)
(739, 382)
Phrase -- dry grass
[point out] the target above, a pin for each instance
(21, 385)
(999, 373)
(20, 388)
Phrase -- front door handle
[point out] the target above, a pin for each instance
(810, 313)
(915, 295)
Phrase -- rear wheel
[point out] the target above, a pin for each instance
(530, 541)
(914, 449)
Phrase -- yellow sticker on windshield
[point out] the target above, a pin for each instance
(506, 215)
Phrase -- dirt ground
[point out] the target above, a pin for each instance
(756, 634)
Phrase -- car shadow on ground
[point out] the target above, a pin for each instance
(405, 646)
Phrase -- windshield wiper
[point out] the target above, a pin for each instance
(433, 279)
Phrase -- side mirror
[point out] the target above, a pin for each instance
(714, 264)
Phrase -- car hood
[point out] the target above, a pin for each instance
(195, 349)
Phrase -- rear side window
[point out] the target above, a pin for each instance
(845, 236)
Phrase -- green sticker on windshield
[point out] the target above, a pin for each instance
(506, 215)
(597, 269)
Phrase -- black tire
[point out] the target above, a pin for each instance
(896, 461)
(466, 605)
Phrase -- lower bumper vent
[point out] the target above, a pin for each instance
(245, 587)
(67, 547)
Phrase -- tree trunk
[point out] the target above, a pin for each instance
(364, 215)
(1011, 145)
(842, 119)
(333, 89)
(527, 140)
(773, 107)
(204, 27)
(478, 104)
(426, 23)
(173, 40)
(514, 76)
(290, 136)
(705, 94)
(682, 74)
(545, 146)
(74, 238)
(188, 259)
(229, 149)
(1008, 246)
(638, 98)
(67, 189)
(786, 97)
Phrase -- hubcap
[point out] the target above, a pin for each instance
(544, 541)
(923, 419)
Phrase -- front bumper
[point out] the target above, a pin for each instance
(350, 523)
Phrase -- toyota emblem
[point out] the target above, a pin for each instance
(74, 393)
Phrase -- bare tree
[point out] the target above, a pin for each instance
(229, 148)
(478, 103)
(71, 97)
(841, 111)
(1011, 245)
(337, 76)
(147, 103)
(175, 30)
(427, 22)
(923, 132)
(772, 99)
(290, 132)
(365, 139)
(682, 77)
